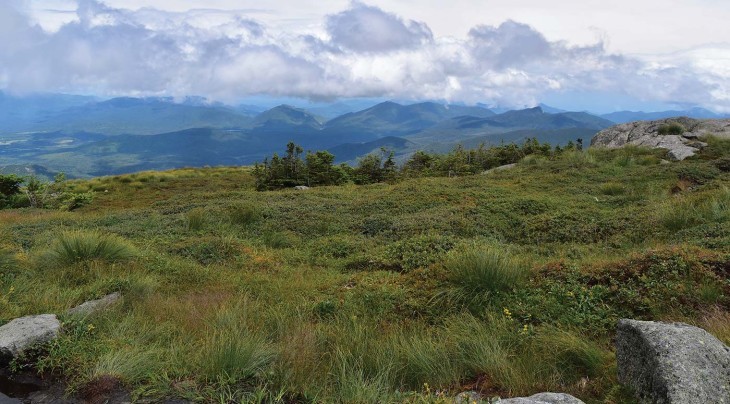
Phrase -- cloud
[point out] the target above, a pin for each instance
(363, 52)
(364, 28)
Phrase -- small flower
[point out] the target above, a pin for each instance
(90, 327)
(507, 313)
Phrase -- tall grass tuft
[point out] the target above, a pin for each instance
(78, 246)
(196, 219)
(8, 263)
(485, 269)
(233, 350)
(244, 215)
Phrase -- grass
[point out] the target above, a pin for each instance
(485, 269)
(332, 295)
(73, 247)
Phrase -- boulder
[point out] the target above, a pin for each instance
(646, 133)
(93, 306)
(24, 332)
(672, 362)
(301, 187)
(543, 398)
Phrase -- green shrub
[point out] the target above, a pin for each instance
(722, 164)
(420, 251)
(485, 269)
(673, 128)
(72, 201)
(82, 246)
(698, 174)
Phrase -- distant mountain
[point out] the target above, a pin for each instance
(392, 119)
(350, 152)
(31, 170)
(20, 113)
(130, 134)
(550, 110)
(534, 120)
(631, 116)
(288, 118)
(140, 116)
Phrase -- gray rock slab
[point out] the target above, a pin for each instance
(93, 306)
(8, 400)
(24, 332)
(543, 398)
(646, 133)
(672, 362)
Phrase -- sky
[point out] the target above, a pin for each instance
(575, 54)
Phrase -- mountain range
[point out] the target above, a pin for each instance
(83, 136)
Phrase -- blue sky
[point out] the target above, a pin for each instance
(599, 55)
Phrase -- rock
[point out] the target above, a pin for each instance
(467, 397)
(543, 398)
(93, 306)
(7, 400)
(646, 133)
(24, 332)
(301, 188)
(672, 363)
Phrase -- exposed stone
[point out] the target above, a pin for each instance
(467, 397)
(646, 133)
(543, 398)
(24, 332)
(672, 363)
(93, 306)
(301, 187)
(7, 400)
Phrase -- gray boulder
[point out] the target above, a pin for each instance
(646, 133)
(24, 332)
(672, 363)
(93, 306)
(543, 398)
(301, 188)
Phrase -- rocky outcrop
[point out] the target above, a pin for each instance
(24, 332)
(543, 398)
(672, 363)
(93, 306)
(647, 133)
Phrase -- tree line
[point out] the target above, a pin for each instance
(318, 168)
(21, 192)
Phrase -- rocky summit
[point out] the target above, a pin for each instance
(679, 136)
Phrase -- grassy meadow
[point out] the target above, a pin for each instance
(508, 283)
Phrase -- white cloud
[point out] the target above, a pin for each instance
(363, 51)
(363, 28)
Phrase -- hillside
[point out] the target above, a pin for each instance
(507, 283)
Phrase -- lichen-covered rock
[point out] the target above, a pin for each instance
(24, 332)
(672, 363)
(543, 398)
(646, 133)
(93, 306)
